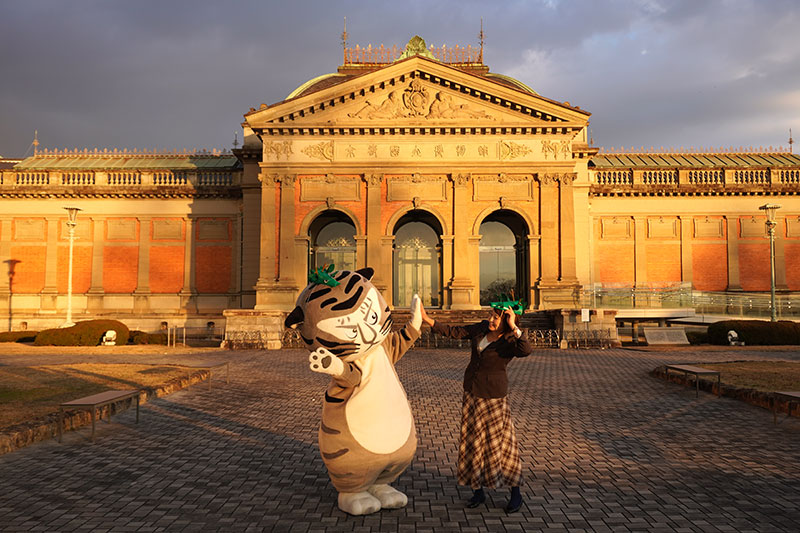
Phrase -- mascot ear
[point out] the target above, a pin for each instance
(367, 272)
(294, 318)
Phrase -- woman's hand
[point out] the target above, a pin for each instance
(508, 315)
(425, 318)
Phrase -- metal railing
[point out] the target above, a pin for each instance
(738, 304)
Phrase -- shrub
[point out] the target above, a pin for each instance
(697, 337)
(755, 332)
(86, 333)
(141, 337)
(18, 336)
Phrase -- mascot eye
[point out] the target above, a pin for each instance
(372, 318)
(351, 333)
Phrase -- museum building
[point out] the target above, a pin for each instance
(451, 181)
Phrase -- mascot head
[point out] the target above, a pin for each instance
(342, 312)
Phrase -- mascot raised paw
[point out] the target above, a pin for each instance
(367, 436)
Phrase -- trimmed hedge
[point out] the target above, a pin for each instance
(141, 337)
(86, 333)
(755, 332)
(18, 336)
(697, 337)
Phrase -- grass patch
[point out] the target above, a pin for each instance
(768, 376)
(31, 392)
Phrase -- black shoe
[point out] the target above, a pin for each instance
(513, 506)
(478, 497)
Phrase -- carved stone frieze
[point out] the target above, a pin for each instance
(556, 149)
(508, 187)
(512, 150)
(322, 150)
(277, 150)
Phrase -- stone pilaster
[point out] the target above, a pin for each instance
(141, 296)
(188, 294)
(94, 296)
(49, 293)
(463, 282)
(733, 253)
(639, 252)
(268, 245)
(686, 248)
(375, 234)
(7, 269)
(567, 234)
(548, 208)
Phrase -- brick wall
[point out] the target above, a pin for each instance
(754, 266)
(28, 268)
(213, 269)
(710, 266)
(166, 269)
(120, 268)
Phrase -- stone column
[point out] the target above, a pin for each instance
(268, 248)
(141, 296)
(375, 235)
(686, 248)
(95, 294)
(188, 294)
(49, 293)
(462, 286)
(733, 253)
(534, 271)
(361, 253)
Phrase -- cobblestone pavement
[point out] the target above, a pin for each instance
(605, 447)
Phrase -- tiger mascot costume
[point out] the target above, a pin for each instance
(367, 436)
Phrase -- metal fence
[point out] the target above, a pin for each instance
(197, 336)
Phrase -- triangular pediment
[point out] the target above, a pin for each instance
(417, 92)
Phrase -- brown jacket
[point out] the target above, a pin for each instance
(485, 375)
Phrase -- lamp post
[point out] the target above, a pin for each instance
(72, 215)
(770, 209)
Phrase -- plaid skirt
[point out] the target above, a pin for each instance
(488, 455)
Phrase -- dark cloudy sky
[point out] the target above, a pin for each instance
(174, 74)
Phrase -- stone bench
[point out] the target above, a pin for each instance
(791, 398)
(697, 371)
(96, 401)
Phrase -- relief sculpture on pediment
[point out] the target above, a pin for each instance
(416, 101)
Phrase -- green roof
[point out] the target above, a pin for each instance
(128, 162)
(695, 160)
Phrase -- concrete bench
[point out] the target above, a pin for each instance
(791, 398)
(697, 371)
(96, 401)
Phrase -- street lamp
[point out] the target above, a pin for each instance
(770, 209)
(72, 215)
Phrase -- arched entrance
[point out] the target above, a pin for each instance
(332, 241)
(417, 259)
(504, 256)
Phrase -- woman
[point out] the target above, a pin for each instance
(487, 454)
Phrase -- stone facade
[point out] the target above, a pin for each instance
(418, 159)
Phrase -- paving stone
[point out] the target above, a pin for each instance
(604, 446)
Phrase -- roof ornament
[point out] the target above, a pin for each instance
(481, 36)
(416, 47)
(344, 41)
(791, 141)
(235, 140)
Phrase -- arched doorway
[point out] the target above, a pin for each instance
(504, 256)
(417, 259)
(332, 241)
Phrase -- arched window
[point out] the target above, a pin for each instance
(332, 241)
(417, 260)
(503, 257)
